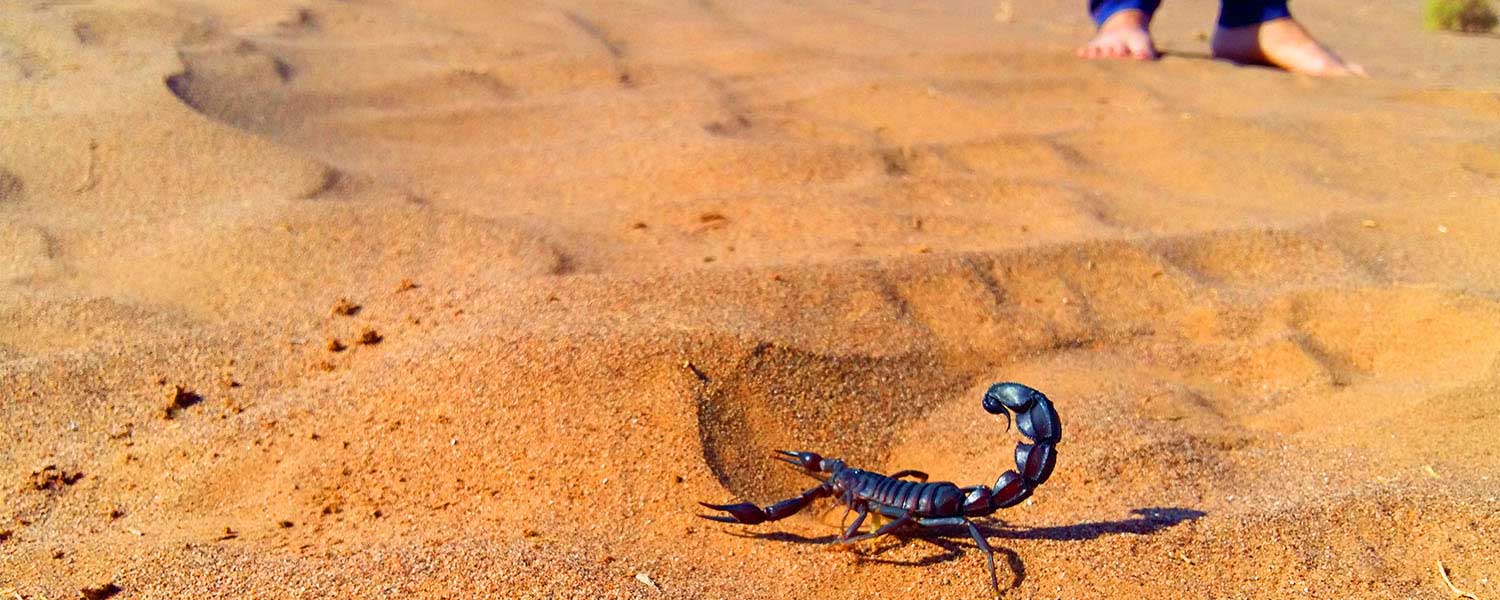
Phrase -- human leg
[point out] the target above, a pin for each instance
(1102, 10)
(1242, 13)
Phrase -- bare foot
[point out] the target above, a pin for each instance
(1125, 34)
(1281, 43)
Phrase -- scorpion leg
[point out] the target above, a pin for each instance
(750, 514)
(858, 520)
(848, 502)
(884, 529)
(912, 473)
(989, 554)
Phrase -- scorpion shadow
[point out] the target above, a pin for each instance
(954, 540)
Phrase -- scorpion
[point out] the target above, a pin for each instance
(919, 502)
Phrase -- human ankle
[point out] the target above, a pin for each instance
(1130, 18)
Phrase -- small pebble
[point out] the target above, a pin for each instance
(99, 592)
(344, 307)
(646, 581)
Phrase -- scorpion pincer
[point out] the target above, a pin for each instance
(919, 502)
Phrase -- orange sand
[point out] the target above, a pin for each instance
(1267, 307)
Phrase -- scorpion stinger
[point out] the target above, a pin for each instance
(923, 503)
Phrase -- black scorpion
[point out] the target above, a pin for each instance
(919, 502)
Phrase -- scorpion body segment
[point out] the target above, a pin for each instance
(919, 502)
(919, 498)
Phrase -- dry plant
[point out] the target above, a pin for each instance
(1466, 16)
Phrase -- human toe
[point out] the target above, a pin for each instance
(1143, 52)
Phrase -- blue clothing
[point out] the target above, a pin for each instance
(1232, 13)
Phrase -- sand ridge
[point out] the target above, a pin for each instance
(608, 256)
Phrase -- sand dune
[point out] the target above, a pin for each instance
(384, 299)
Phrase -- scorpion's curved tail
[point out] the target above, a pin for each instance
(1037, 420)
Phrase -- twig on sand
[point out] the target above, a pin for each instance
(1457, 593)
(702, 377)
(90, 178)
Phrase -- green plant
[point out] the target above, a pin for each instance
(1468, 16)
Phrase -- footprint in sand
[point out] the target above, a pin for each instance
(118, 27)
(11, 187)
(25, 253)
(778, 398)
(231, 78)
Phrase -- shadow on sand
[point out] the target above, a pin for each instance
(954, 540)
